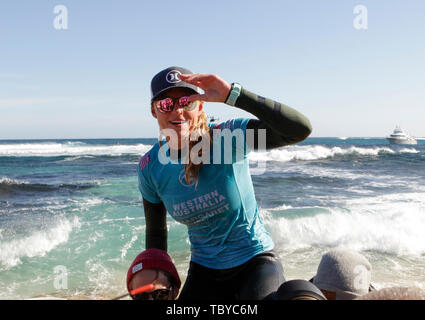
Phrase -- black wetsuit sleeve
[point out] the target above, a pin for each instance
(156, 225)
(284, 125)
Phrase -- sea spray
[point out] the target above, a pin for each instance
(36, 244)
(367, 224)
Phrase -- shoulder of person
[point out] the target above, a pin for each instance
(229, 124)
(149, 157)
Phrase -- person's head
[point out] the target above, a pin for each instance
(183, 123)
(170, 108)
(154, 266)
(298, 290)
(395, 293)
(343, 275)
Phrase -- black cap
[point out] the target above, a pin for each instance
(299, 290)
(168, 79)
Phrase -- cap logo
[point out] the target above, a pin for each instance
(173, 76)
(137, 267)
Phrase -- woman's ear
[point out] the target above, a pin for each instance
(201, 105)
(153, 111)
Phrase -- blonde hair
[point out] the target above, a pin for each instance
(201, 131)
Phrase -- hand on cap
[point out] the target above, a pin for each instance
(215, 88)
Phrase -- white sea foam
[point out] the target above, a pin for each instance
(328, 172)
(80, 149)
(281, 207)
(126, 219)
(36, 244)
(9, 181)
(409, 150)
(86, 203)
(318, 152)
(76, 158)
(127, 246)
(49, 149)
(368, 180)
(392, 224)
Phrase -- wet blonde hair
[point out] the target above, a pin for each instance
(200, 131)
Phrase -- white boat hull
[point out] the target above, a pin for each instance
(402, 141)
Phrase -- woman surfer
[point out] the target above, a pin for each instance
(210, 188)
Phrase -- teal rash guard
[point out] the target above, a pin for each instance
(220, 212)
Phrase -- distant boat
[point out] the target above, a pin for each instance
(400, 137)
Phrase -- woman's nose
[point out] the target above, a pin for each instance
(178, 110)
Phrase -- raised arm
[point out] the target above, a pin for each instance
(284, 125)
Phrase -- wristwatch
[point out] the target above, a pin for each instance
(234, 93)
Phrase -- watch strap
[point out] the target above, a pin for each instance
(234, 94)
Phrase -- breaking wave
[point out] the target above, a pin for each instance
(317, 152)
(8, 185)
(36, 244)
(53, 149)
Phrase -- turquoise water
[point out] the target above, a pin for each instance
(74, 204)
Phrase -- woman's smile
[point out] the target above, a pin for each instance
(178, 123)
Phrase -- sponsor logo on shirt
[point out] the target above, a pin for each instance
(144, 161)
(200, 208)
(182, 179)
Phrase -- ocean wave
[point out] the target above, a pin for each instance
(391, 223)
(53, 149)
(76, 158)
(409, 150)
(35, 245)
(9, 181)
(318, 152)
(8, 185)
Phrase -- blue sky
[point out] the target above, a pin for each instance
(92, 80)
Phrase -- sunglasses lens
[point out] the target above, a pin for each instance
(184, 103)
(156, 295)
(161, 294)
(167, 104)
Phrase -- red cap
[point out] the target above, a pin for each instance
(153, 259)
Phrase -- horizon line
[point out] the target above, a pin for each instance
(337, 137)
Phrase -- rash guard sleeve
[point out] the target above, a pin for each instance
(284, 125)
